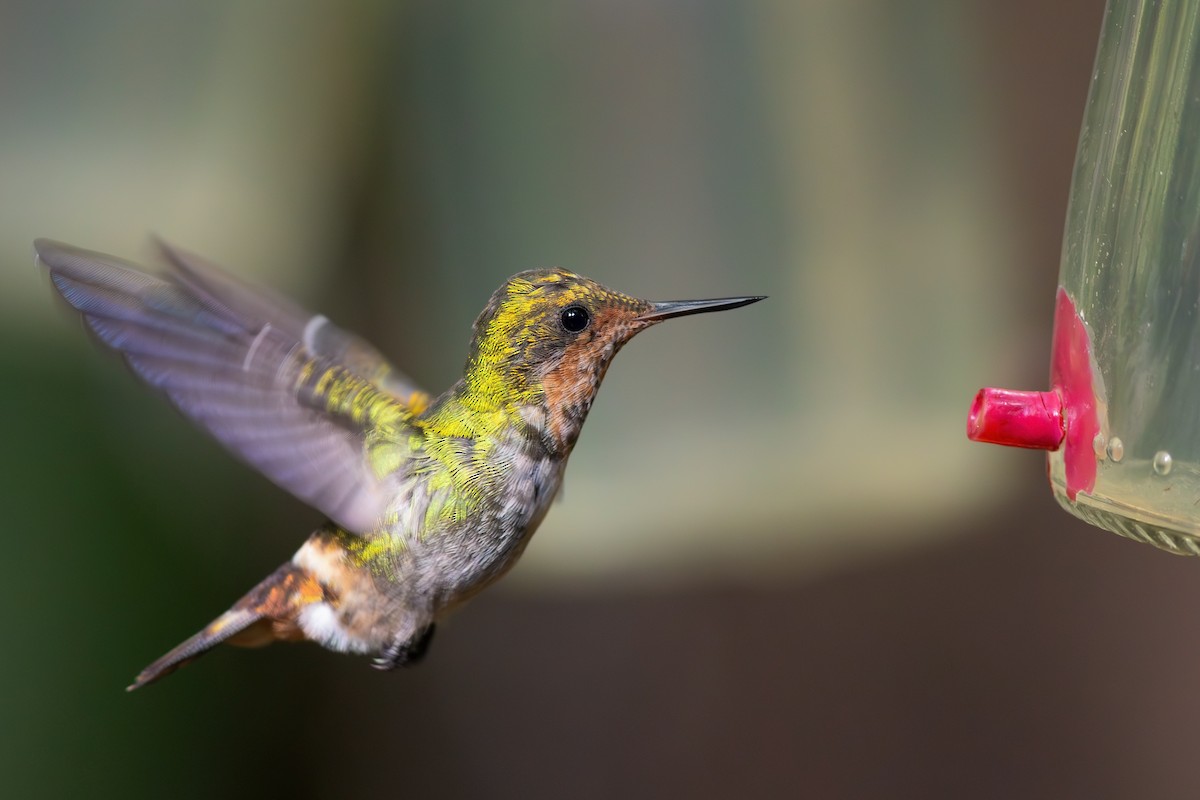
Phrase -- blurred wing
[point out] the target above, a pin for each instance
(288, 392)
(209, 283)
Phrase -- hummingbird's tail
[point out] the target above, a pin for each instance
(269, 612)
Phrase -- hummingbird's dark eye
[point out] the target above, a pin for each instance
(575, 318)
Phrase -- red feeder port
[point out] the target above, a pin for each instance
(1017, 419)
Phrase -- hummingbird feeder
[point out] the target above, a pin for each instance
(1121, 421)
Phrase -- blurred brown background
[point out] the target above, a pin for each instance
(779, 568)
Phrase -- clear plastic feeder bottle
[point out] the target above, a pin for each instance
(1122, 417)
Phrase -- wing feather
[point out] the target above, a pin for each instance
(234, 359)
(320, 337)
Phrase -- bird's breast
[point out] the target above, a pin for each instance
(477, 552)
(456, 528)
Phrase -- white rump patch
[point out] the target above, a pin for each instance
(310, 332)
(321, 624)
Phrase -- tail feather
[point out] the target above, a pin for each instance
(269, 612)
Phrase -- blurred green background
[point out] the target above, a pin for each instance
(779, 568)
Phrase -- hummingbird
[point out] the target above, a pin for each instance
(428, 499)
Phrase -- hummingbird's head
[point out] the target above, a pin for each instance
(546, 338)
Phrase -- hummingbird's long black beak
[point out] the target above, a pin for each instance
(681, 308)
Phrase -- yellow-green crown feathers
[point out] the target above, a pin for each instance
(520, 335)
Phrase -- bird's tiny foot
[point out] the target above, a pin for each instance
(404, 654)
